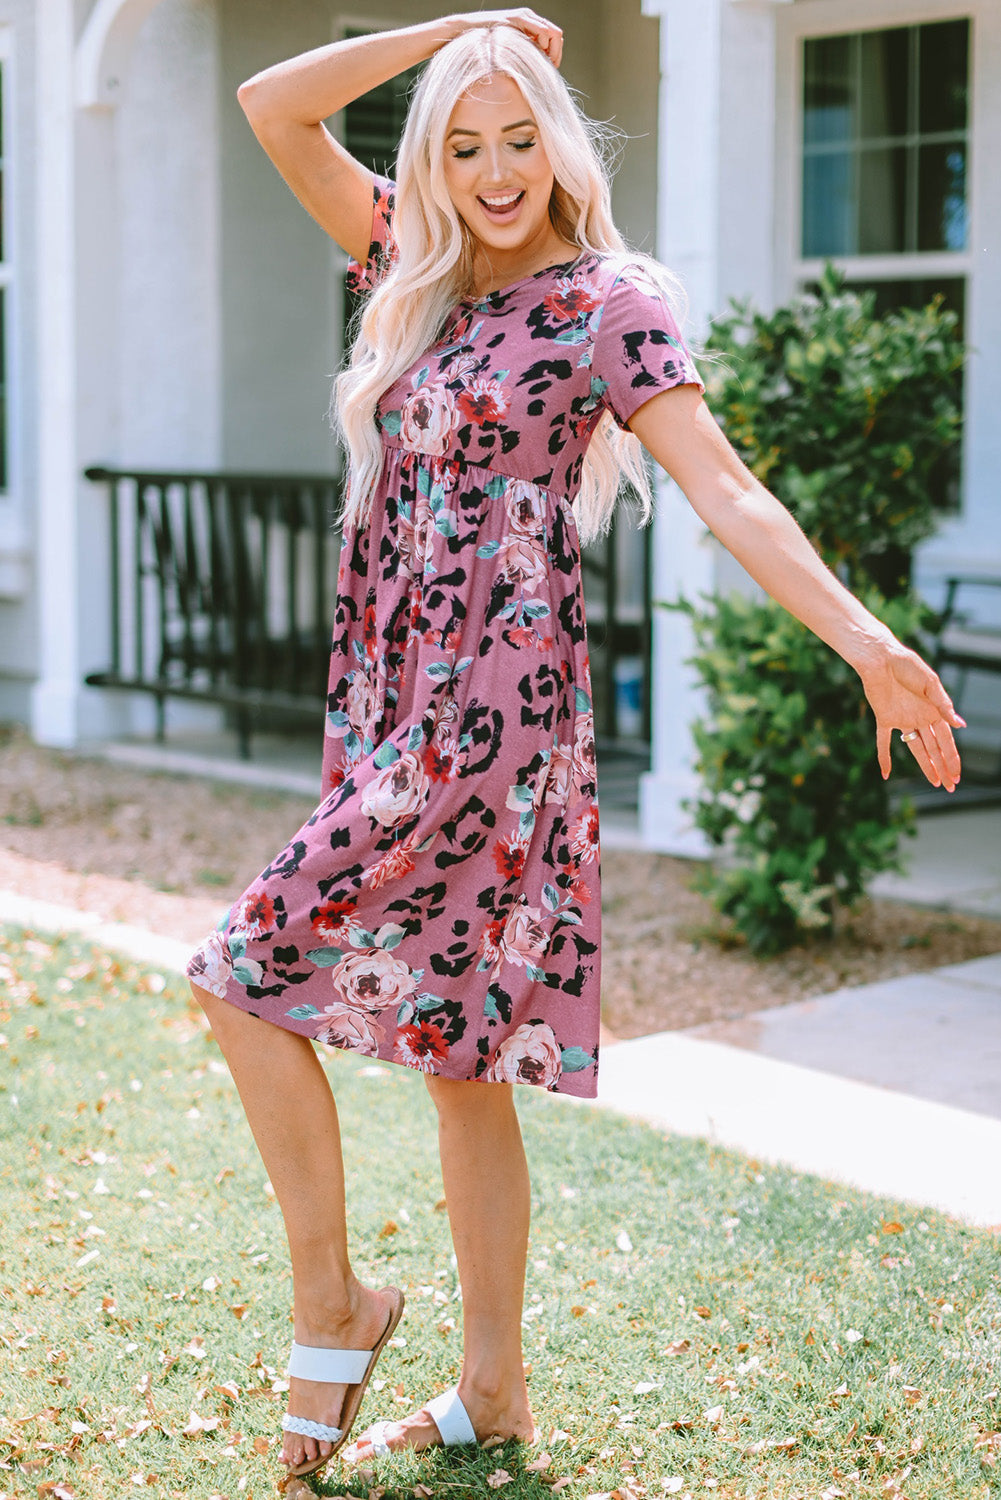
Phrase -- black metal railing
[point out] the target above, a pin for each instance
(222, 589)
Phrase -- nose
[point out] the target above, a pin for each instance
(494, 169)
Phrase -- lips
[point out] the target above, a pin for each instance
(502, 206)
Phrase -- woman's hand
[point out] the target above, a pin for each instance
(545, 34)
(904, 693)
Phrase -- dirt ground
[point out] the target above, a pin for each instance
(171, 852)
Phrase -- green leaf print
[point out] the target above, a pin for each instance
(386, 755)
(489, 549)
(415, 738)
(495, 488)
(428, 1002)
(391, 422)
(438, 670)
(302, 1012)
(582, 700)
(551, 897)
(324, 958)
(575, 1059)
(390, 935)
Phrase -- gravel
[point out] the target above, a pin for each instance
(171, 852)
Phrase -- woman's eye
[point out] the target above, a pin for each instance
(465, 153)
(522, 145)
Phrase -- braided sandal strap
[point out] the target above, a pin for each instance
(305, 1428)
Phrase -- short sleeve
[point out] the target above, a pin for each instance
(638, 348)
(382, 250)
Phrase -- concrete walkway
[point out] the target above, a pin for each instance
(894, 1088)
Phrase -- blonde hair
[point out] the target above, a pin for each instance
(404, 316)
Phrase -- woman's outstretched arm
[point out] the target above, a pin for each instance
(678, 429)
(288, 103)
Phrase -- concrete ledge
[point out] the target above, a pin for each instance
(872, 1138)
(145, 947)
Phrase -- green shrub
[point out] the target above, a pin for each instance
(847, 419)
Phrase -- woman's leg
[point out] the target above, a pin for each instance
(292, 1114)
(487, 1191)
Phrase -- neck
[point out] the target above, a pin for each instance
(493, 269)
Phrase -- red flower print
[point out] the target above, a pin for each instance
(584, 843)
(255, 915)
(333, 921)
(421, 1046)
(441, 761)
(369, 631)
(483, 401)
(576, 885)
(573, 297)
(490, 941)
(509, 857)
(522, 635)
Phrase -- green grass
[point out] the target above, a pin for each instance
(691, 1317)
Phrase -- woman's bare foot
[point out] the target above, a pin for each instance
(360, 1327)
(491, 1416)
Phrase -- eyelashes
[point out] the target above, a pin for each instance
(466, 152)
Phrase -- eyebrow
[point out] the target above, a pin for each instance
(504, 130)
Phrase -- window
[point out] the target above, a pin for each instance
(885, 142)
(885, 127)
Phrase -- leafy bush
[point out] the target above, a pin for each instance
(846, 418)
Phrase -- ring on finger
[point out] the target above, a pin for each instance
(911, 735)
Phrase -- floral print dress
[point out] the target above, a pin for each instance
(441, 907)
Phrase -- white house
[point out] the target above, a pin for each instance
(167, 305)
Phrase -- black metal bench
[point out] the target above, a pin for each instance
(222, 591)
(965, 641)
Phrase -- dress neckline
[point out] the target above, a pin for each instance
(504, 291)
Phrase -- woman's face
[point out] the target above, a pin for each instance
(498, 174)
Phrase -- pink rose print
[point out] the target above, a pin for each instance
(560, 774)
(254, 915)
(421, 1045)
(212, 966)
(584, 769)
(522, 561)
(373, 978)
(415, 540)
(489, 945)
(426, 420)
(530, 1054)
(399, 791)
(526, 508)
(343, 1026)
(524, 939)
(361, 704)
(483, 401)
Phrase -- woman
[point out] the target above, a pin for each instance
(440, 909)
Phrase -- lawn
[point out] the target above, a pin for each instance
(697, 1324)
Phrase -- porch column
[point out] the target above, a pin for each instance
(56, 693)
(687, 241)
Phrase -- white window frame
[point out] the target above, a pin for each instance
(818, 18)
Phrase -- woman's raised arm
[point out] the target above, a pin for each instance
(288, 103)
(678, 429)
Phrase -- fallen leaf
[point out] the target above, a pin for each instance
(623, 1242)
(644, 1387)
(890, 1226)
(197, 1424)
(261, 1445)
(499, 1478)
(390, 1227)
(577, 1311)
(538, 1464)
(679, 1346)
(713, 1414)
(703, 1312)
(210, 1283)
(239, 1309)
(196, 1348)
(561, 1484)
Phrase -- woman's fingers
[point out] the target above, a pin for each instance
(546, 35)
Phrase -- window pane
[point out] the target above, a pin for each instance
(3, 388)
(942, 197)
(882, 189)
(884, 74)
(944, 73)
(828, 112)
(829, 204)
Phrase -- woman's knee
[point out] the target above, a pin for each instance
(456, 1096)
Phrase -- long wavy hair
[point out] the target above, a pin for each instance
(405, 315)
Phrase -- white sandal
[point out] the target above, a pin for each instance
(449, 1416)
(350, 1367)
